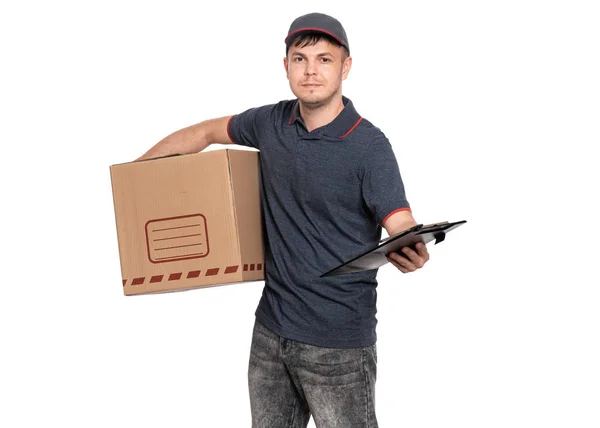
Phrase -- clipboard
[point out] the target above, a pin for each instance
(376, 257)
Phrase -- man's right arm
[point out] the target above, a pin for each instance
(192, 139)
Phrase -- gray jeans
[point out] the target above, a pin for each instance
(290, 381)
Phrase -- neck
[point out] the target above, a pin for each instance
(317, 115)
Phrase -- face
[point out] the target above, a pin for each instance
(316, 72)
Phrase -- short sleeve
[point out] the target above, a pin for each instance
(382, 187)
(245, 128)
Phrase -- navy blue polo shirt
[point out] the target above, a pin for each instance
(325, 195)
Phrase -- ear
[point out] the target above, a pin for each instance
(285, 65)
(346, 67)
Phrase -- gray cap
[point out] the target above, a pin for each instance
(317, 23)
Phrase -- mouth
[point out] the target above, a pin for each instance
(311, 85)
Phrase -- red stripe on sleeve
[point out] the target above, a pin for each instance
(228, 133)
(392, 213)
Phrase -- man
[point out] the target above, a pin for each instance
(329, 183)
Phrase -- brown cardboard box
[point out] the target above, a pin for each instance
(188, 221)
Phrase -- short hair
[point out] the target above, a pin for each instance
(311, 39)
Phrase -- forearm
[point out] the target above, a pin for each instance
(187, 140)
(192, 139)
(401, 227)
(399, 221)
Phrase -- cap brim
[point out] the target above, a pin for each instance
(300, 31)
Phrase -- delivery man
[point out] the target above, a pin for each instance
(329, 183)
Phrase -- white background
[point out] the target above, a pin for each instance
(493, 112)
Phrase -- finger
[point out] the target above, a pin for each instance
(403, 262)
(400, 259)
(415, 258)
(422, 250)
(408, 262)
(400, 262)
(398, 266)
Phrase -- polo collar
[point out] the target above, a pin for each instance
(344, 123)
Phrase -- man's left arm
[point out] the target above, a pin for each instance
(383, 193)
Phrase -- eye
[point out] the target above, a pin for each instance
(298, 59)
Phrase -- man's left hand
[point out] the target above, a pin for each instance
(412, 261)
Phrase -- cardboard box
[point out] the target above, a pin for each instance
(189, 221)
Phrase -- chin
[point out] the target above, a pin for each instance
(321, 96)
(313, 99)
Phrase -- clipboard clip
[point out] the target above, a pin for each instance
(439, 237)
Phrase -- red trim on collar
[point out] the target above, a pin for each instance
(316, 29)
(353, 127)
(291, 116)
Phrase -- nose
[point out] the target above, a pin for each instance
(311, 68)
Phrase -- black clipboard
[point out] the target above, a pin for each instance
(376, 257)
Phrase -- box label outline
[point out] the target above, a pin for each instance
(185, 257)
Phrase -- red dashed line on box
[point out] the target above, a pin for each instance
(231, 269)
(193, 274)
(138, 281)
(212, 272)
